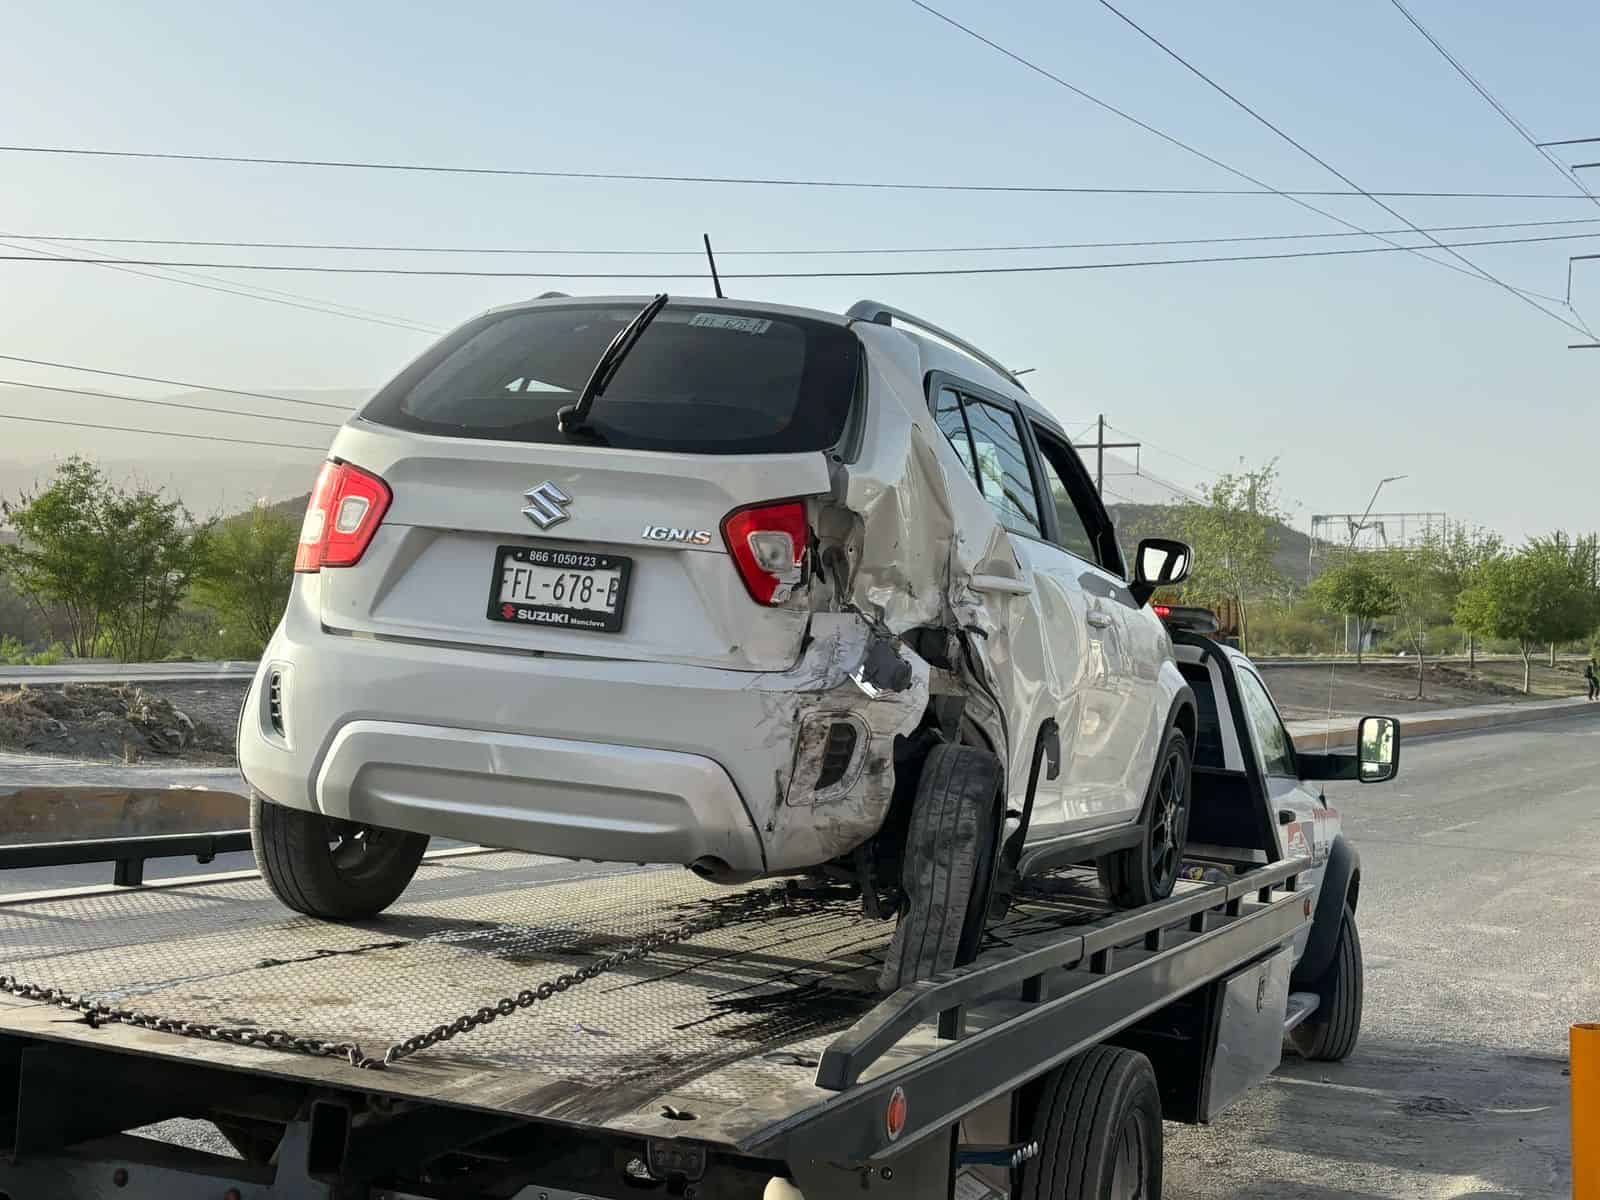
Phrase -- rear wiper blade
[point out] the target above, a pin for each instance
(573, 419)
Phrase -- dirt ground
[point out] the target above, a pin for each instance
(191, 724)
(1302, 692)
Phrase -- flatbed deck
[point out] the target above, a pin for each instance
(710, 1023)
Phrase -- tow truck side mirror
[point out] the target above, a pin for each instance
(1159, 563)
(1378, 749)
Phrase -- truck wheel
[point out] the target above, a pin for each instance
(329, 868)
(1330, 1033)
(1145, 873)
(1098, 1124)
(948, 864)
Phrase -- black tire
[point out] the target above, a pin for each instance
(1146, 872)
(1331, 1033)
(1097, 1120)
(328, 868)
(947, 866)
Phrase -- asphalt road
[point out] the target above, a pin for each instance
(1480, 868)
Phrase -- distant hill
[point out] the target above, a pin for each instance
(1291, 557)
(212, 477)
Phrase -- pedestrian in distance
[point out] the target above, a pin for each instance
(1594, 680)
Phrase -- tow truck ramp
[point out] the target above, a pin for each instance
(516, 1029)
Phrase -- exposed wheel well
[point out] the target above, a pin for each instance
(1187, 721)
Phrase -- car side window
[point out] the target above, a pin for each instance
(1277, 751)
(988, 440)
(947, 412)
(1072, 524)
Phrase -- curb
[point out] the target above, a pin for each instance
(1341, 731)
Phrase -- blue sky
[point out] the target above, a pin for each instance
(1346, 369)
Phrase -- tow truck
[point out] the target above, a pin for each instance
(527, 1029)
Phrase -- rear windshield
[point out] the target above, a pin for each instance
(700, 381)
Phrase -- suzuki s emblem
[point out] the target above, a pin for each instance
(547, 505)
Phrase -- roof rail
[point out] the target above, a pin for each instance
(884, 314)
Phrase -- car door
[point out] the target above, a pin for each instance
(1297, 805)
(1120, 727)
(1045, 619)
(1286, 791)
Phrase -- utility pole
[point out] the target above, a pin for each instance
(1100, 447)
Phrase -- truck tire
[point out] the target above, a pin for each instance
(328, 868)
(1097, 1121)
(1146, 872)
(1330, 1033)
(947, 866)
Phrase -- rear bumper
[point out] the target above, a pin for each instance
(582, 758)
(557, 796)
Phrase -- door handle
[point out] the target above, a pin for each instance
(1100, 620)
(999, 583)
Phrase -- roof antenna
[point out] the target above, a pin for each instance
(712, 259)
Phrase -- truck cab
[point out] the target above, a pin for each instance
(1259, 799)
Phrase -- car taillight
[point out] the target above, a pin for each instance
(346, 508)
(768, 544)
(1162, 610)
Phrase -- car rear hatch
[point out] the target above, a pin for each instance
(671, 534)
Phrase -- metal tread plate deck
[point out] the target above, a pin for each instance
(727, 1025)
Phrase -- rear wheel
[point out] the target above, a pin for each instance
(1330, 1033)
(329, 868)
(1097, 1121)
(948, 865)
(1146, 872)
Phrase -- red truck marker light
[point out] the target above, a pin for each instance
(894, 1116)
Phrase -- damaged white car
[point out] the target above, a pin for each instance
(753, 589)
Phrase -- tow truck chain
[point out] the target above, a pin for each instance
(97, 1014)
(725, 913)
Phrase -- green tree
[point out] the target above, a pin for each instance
(113, 563)
(1533, 597)
(1358, 588)
(1582, 554)
(1461, 552)
(1233, 529)
(248, 568)
(1420, 582)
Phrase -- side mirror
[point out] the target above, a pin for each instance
(1378, 749)
(1159, 563)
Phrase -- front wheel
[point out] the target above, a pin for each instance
(1330, 1033)
(1146, 872)
(324, 867)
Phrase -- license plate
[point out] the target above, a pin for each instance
(561, 589)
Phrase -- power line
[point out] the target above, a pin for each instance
(199, 387)
(1522, 130)
(1327, 166)
(225, 412)
(440, 272)
(1568, 174)
(1171, 453)
(165, 433)
(240, 290)
(1180, 144)
(753, 181)
(790, 252)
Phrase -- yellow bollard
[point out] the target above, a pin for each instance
(1585, 1067)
